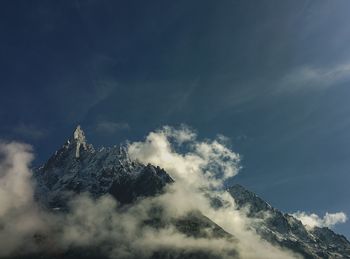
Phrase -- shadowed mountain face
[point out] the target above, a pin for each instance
(78, 168)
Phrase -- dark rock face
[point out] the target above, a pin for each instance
(287, 231)
(149, 182)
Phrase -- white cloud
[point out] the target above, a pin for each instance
(102, 222)
(195, 167)
(313, 220)
(180, 136)
(201, 163)
(19, 215)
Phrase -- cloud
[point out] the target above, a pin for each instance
(313, 220)
(83, 96)
(110, 127)
(15, 175)
(296, 80)
(19, 215)
(101, 222)
(201, 163)
(313, 78)
(90, 222)
(29, 131)
(197, 166)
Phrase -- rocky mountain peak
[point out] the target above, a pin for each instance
(79, 140)
(77, 167)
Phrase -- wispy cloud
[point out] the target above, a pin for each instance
(76, 105)
(313, 78)
(110, 127)
(29, 131)
(301, 79)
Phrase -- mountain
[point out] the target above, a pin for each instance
(286, 231)
(77, 167)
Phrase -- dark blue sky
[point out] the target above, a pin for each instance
(271, 75)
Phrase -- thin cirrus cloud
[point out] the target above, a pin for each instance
(315, 78)
(300, 79)
(29, 131)
(297, 80)
(110, 127)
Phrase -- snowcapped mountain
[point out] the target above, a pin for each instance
(77, 167)
(286, 231)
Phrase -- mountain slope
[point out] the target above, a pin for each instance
(287, 231)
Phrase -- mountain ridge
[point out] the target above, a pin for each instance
(78, 168)
(98, 172)
(285, 230)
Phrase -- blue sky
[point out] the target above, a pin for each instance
(271, 75)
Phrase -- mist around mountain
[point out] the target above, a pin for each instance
(163, 197)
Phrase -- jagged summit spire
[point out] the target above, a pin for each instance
(79, 139)
(78, 133)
